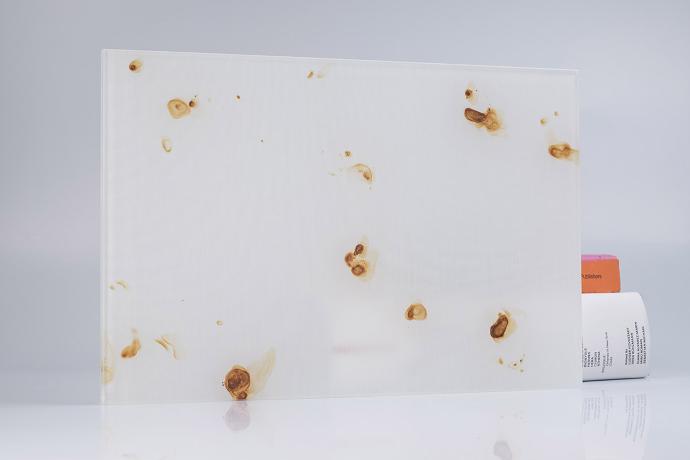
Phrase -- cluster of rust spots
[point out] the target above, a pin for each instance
(356, 260)
(167, 344)
(365, 171)
(135, 65)
(488, 119)
(416, 311)
(517, 365)
(131, 350)
(166, 144)
(237, 382)
(562, 151)
(179, 108)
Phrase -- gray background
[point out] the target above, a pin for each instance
(634, 89)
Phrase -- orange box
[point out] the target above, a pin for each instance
(600, 273)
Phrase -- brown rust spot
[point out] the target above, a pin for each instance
(135, 65)
(360, 268)
(237, 382)
(310, 74)
(242, 382)
(359, 249)
(469, 94)
(365, 171)
(562, 151)
(500, 361)
(237, 97)
(166, 144)
(498, 328)
(131, 350)
(347, 154)
(178, 108)
(488, 119)
(416, 311)
(349, 259)
(192, 103)
(543, 121)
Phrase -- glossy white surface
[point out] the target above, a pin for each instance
(627, 419)
(250, 216)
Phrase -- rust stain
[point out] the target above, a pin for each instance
(135, 65)
(310, 74)
(347, 154)
(166, 144)
(193, 103)
(237, 382)
(502, 327)
(168, 344)
(488, 119)
(517, 365)
(469, 94)
(563, 151)
(356, 260)
(360, 268)
(131, 350)
(237, 97)
(178, 108)
(543, 121)
(498, 329)
(107, 365)
(243, 382)
(365, 172)
(416, 311)
(122, 283)
(107, 374)
(500, 361)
